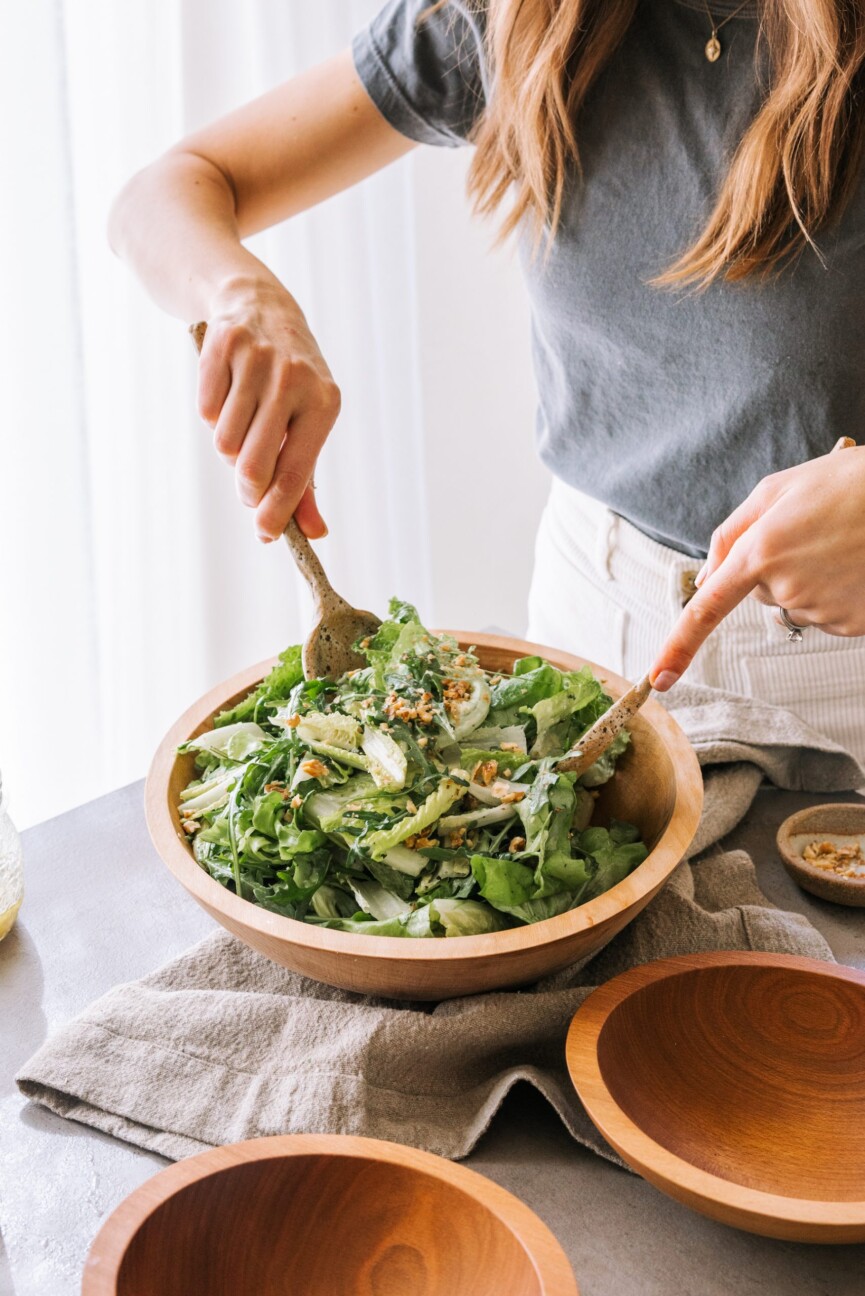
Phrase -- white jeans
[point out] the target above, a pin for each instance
(607, 592)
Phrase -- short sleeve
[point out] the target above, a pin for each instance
(425, 71)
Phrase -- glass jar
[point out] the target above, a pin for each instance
(11, 870)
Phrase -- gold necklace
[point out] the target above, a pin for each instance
(713, 45)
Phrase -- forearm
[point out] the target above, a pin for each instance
(175, 225)
(264, 386)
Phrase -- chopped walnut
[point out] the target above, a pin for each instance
(511, 747)
(292, 721)
(845, 861)
(296, 802)
(397, 708)
(516, 844)
(189, 826)
(484, 772)
(410, 806)
(313, 769)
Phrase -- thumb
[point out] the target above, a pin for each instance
(308, 517)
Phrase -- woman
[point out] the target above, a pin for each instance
(684, 182)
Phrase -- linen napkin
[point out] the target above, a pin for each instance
(221, 1044)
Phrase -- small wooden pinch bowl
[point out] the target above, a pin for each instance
(841, 822)
(657, 786)
(735, 1083)
(323, 1215)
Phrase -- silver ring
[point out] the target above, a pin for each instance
(794, 632)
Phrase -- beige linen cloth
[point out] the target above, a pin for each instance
(222, 1044)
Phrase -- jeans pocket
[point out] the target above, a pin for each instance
(824, 688)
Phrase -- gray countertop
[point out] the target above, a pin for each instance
(100, 909)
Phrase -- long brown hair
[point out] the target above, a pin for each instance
(793, 168)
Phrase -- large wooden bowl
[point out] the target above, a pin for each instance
(658, 787)
(323, 1215)
(736, 1084)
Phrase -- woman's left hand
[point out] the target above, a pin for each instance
(797, 542)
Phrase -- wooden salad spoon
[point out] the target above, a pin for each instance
(328, 651)
(602, 733)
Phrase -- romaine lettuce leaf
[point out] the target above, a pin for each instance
(378, 843)
(617, 851)
(274, 688)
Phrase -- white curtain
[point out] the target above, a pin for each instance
(130, 576)
(131, 579)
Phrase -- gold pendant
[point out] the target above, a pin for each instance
(713, 48)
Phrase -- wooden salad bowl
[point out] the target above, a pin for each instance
(657, 786)
(320, 1215)
(736, 1084)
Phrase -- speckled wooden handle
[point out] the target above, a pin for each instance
(310, 568)
(598, 738)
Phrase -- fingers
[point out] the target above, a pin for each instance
(726, 535)
(214, 381)
(234, 420)
(310, 521)
(717, 596)
(291, 476)
(271, 405)
(256, 462)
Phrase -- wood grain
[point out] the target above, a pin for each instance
(735, 1082)
(657, 786)
(323, 1215)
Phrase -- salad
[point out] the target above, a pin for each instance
(414, 797)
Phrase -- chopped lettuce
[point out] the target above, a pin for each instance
(273, 689)
(386, 760)
(416, 797)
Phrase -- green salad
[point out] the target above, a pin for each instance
(416, 796)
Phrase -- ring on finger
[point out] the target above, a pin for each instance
(794, 631)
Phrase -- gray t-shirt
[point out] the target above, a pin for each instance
(667, 406)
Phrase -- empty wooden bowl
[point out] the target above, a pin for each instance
(657, 786)
(841, 823)
(736, 1084)
(323, 1215)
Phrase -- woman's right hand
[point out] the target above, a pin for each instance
(265, 389)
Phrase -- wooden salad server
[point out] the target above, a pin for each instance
(602, 733)
(328, 651)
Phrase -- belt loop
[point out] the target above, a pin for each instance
(683, 587)
(607, 537)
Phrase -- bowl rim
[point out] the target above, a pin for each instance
(651, 1159)
(668, 851)
(795, 863)
(541, 1246)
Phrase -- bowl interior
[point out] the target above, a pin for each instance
(755, 1074)
(316, 1225)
